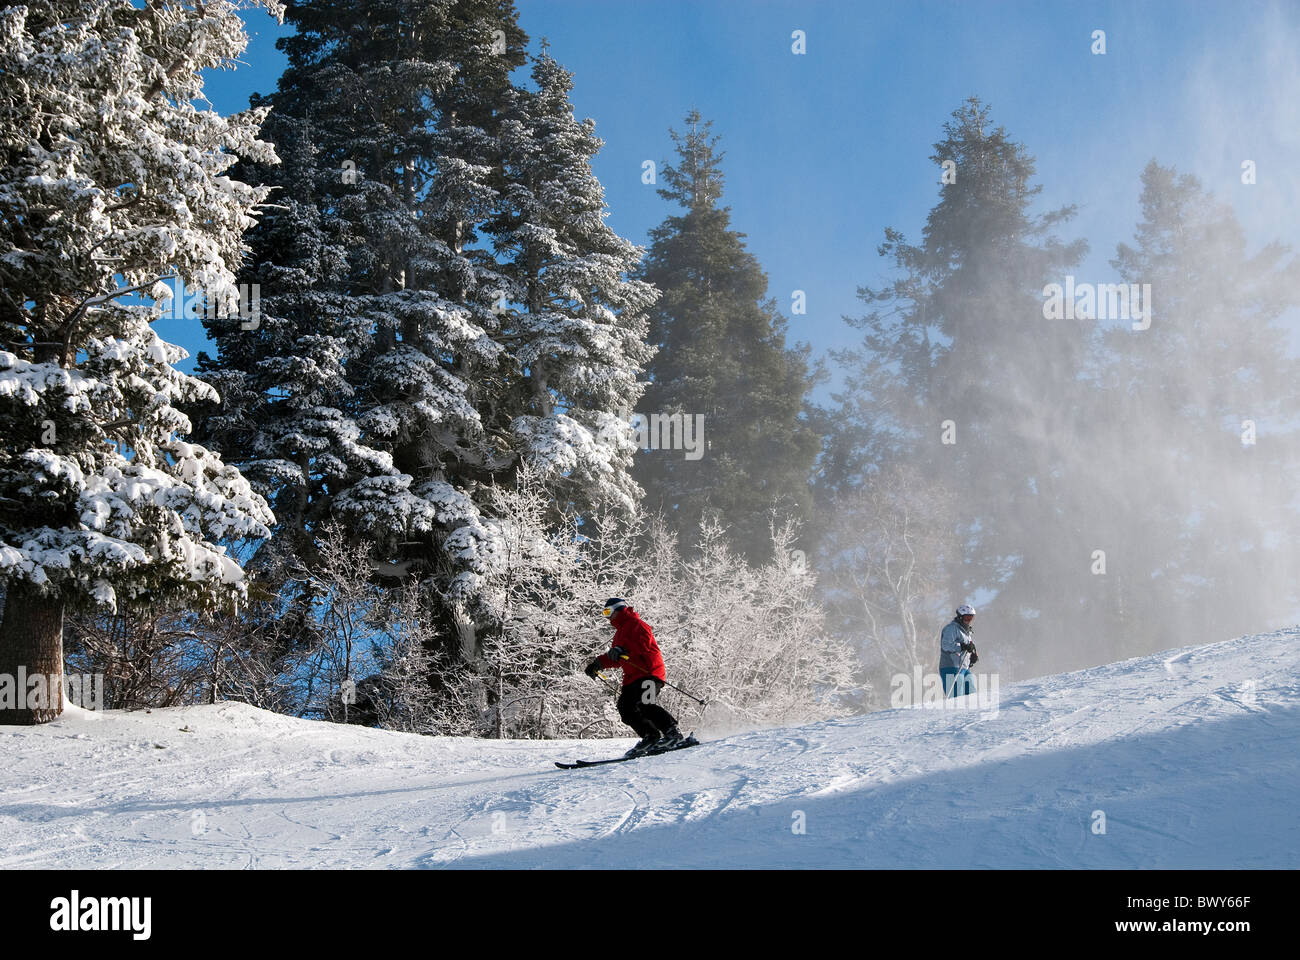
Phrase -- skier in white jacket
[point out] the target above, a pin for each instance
(957, 653)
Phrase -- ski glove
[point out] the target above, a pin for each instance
(966, 646)
(592, 668)
(974, 657)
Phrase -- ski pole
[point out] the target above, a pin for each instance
(683, 692)
(675, 687)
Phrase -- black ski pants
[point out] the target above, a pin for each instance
(638, 705)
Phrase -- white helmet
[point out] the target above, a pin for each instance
(965, 610)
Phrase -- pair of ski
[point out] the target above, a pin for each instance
(687, 742)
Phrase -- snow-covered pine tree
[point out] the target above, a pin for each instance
(283, 417)
(111, 179)
(577, 337)
(361, 395)
(391, 384)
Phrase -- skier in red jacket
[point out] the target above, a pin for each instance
(636, 653)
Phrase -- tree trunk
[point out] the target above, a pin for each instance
(501, 700)
(31, 646)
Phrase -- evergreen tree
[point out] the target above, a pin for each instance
(577, 335)
(961, 377)
(722, 354)
(356, 394)
(1191, 511)
(112, 180)
(439, 297)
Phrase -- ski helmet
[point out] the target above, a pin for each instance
(965, 610)
(613, 605)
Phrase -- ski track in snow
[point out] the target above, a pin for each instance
(1190, 755)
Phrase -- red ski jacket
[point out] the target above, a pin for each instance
(643, 656)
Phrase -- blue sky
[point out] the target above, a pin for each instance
(826, 149)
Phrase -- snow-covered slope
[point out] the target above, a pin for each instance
(1191, 756)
